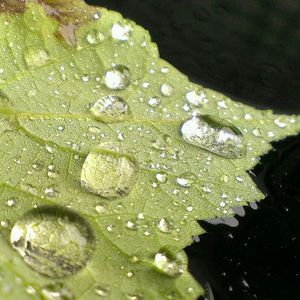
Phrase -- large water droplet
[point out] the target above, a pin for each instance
(110, 106)
(121, 32)
(36, 57)
(108, 174)
(167, 90)
(214, 134)
(166, 264)
(53, 241)
(117, 78)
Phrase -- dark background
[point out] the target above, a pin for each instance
(249, 50)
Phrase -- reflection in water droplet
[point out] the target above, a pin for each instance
(169, 266)
(110, 106)
(167, 90)
(121, 32)
(108, 174)
(36, 57)
(214, 134)
(117, 78)
(53, 241)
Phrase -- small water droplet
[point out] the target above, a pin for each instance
(121, 32)
(163, 226)
(167, 89)
(117, 78)
(196, 99)
(154, 101)
(56, 292)
(168, 265)
(215, 135)
(280, 123)
(53, 241)
(257, 132)
(102, 291)
(36, 57)
(95, 37)
(162, 177)
(131, 225)
(110, 106)
(11, 202)
(108, 174)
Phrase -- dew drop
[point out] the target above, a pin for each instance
(280, 123)
(163, 225)
(53, 241)
(36, 57)
(95, 37)
(121, 32)
(167, 90)
(56, 292)
(117, 78)
(170, 266)
(162, 177)
(110, 175)
(215, 135)
(102, 291)
(110, 106)
(196, 99)
(154, 101)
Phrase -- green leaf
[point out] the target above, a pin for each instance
(109, 156)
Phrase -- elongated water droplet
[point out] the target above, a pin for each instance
(94, 37)
(36, 57)
(102, 291)
(121, 32)
(117, 78)
(214, 134)
(56, 292)
(168, 265)
(113, 107)
(108, 174)
(53, 241)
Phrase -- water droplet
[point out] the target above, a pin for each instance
(280, 123)
(36, 57)
(110, 106)
(51, 192)
(56, 292)
(121, 32)
(102, 291)
(108, 174)
(168, 265)
(196, 99)
(162, 177)
(167, 90)
(163, 226)
(154, 101)
(53, 241)
(11, 202)
(95, 37)
(186, 180)
(214, 134)
(117, 78)
(257, 132)
(131, 225)
(248, 117)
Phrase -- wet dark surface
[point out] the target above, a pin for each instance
(248, 50)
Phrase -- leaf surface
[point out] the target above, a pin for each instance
(56, 137)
